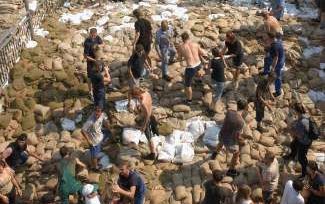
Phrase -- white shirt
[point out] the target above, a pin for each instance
(291, 196)
(93, 127)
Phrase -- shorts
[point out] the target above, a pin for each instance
(189, 74)
(90, 69)
(95, 150)
(133, 82)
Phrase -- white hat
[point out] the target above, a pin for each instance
(87, 189)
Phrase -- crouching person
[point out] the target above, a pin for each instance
(130, 185)
(95, 130)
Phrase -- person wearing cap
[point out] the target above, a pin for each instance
(230, 135)
(89, 191)
(165, 48)
(268, 174)
(130, 185)
(143, 33)
(95, 131)
(16, 154)
(89, 54)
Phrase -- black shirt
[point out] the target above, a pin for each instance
(218, 70)
(316, 184)
(236, 49)
(143, 26)
(133, 179)
(215, 194)
(136, 63)
(89, 46)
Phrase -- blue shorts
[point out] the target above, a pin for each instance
(95, 150)
(189, 74)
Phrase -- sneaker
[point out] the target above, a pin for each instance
(213, 156)
(275, 94)
(167, 78)
(150, 156)
(188, 102)
(232, 173)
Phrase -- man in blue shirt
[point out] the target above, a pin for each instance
(165, 48)
(277, 9)
(130, 185)
(276, 61)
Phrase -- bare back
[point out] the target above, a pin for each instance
(274, 25)
(191, 52)
(146, 102)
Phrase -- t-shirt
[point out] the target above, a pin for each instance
(275, 4)
(5, 181)
(290, 195)
(301, 129)
(136, 63)
(277, 49)
(133, 179)
(316, 184)
(236, 49)
(260, 93)
(89, 45)
(143, 26)
(93, 127)
(270, 176)
(215, 194)
(163, 38)
(232, 126)
(218, 70)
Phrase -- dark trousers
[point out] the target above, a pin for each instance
(301, 150)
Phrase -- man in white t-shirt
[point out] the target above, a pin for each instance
(94, 132)
(291, 193)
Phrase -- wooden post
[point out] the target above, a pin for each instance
(29, 16)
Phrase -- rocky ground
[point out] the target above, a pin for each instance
(48, 88)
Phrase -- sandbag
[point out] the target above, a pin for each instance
(184, 153)
(180, 192)
(131, 135)
(211, 136)
(246, 149)
(157, 196)
(167, 152)
(257, 194)
(205, 170)
(196, 127)
(267, 141)
(57, 64)
(214, 165)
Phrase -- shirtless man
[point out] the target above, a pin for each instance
(145, 109)
(192, 54)
(272, 24)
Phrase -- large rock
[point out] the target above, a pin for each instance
(181, 108)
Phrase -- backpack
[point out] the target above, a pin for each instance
(313, 133)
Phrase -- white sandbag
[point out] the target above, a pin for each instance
(158, 142)
(68, 124)
(131, 135)
(196, 127)
(211, 136)
(184, 153)
(104, 161)
(171, 1)
(179, 136)
(122, 106)
(102, 21)
(167, 152)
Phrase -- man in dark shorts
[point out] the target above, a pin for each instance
(89, 54)
(143, 32)
(317, 184)
(130, 185)
(192, 53)
(230, 134)
(234, 48)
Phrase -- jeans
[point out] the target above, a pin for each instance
(218, 87)
(167, 55)
(278, 72)
(99, 97)
(301, 150)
